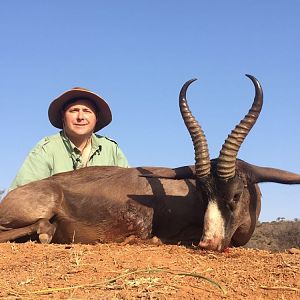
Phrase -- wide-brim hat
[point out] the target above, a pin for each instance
(57, 105)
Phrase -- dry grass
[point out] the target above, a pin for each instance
(112, 271)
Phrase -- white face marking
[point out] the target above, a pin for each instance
(214, 227)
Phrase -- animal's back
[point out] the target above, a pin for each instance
(136, 205)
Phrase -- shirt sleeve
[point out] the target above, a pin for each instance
(121, 158)
(35, 167)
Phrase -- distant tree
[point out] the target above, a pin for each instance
(1, 193)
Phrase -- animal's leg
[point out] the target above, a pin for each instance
(42, 227)
(13, 234)
(29, 203)
(45, 230)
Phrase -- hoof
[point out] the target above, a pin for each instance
(156, 241)
(45, 238)
(130, 240)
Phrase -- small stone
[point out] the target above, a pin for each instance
(294, 251)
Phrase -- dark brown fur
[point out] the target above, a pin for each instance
(108, 204)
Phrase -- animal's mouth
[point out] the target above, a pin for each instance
(215, 243)
(212, 244)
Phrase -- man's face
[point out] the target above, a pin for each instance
(79, 119)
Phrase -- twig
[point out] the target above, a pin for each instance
(284, 262)
(285, 288)
(112, 280)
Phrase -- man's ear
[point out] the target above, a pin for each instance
(62, 116)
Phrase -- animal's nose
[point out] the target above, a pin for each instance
(211, 244)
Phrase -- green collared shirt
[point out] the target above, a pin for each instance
(55, 154)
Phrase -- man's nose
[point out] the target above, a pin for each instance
(80, 115)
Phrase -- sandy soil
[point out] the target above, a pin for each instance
(114, 271)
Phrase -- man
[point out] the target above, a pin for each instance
(79, 113)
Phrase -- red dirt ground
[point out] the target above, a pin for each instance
(115, 271)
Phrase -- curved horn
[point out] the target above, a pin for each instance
(202, 160)
(231, 146)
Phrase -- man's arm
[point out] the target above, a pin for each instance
(121, 158)
(35, 167)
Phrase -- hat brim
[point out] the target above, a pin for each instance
(56, 106)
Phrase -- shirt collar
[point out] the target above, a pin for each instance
(70, 146)
(96, 145)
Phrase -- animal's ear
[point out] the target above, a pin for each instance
(187, 172)
(256, 174)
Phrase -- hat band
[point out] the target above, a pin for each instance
(73, 100)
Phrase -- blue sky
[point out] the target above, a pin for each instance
(137, 54)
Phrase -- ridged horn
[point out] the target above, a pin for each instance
(202, 160)
(228, 154)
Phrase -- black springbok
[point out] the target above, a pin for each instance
(214, 203)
